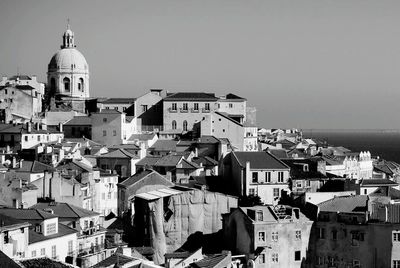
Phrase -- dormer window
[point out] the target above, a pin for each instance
(305, 167)
(259, 215)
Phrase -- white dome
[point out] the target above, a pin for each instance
(68, 59)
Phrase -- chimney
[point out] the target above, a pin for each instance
(14, 162)
(34, 78)
(60, 127)
(44, 126)
(20, 163)
(8, 149)
(3, 158)
(37, 126)
(29, 127)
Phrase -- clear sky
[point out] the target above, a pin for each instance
(302, 63)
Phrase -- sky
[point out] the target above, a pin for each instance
(330, 64)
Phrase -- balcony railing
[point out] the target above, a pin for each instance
(204, 110)
(183, 110)
(90, 250)
(194, 110)
(90, 230)
(172, 110)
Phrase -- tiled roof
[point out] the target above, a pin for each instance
(208, 139)
(169, 160)
(65, 210)
(109, 111)
(226, 115)
(354, 203)
(63, 230)
(119, 153)
(278, 153)
(386, 191)
(74, 165)
(231, 96)
(188, 165)
(27, 214)
(79, 121)
(119, 100)
(178, 255)
(124, 146)
(20, 77)
(211, 261)
(7, 262)
(259, 160)
(24, 87)
(137, 177)
(44, 263)
(113, 260)
(191, 96)
(9, 223)
(164, 145)
(377, 182)
(148, 161)
(22, 129)
(205, 160)
(34, 167)
(142, 137)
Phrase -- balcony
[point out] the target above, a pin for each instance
(204, 110)
(172, 110)
(192, 110)
(90, 230)
(183, 110)
(90, 250)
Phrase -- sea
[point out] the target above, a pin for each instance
(381, 143)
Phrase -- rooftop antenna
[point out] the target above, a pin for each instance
(18, 71)
(67, 23)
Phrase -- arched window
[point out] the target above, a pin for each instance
(80, 84)
(53, 84)
(66, 82)
(185, 125)
(174, 124)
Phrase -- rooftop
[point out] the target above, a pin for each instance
(354, 203)
(65, 210)
(27, 214)
(119, 100)
(377, 182)
(44, 263)
(164, 145)
(259, 160)
(119, 153)
(63, 230)
(79, 121)
(34, 167)
(191, 96)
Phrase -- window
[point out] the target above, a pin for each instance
(26, 138)
(104, 133)
(268, 176)
(396, 263)
(280, 176)
(123, 109)
(320, 260)
(173, 106)
(66, 82)
(321, 233)
(260, 216)
(70, 247)
(144, 108)
(207, 106)
(51, 228)
(114, 133)
(365, 191)
(230, 105)
(38, 138)
(53, 251)
(107, 108)
(173, 124)
(275, 236)
(5, 91)
(6, 238)
(275, 257)
(254, 177)
(261, 258)
(196, 106)
(276, 192)
(298, 235)
(252, 191)
(185, 125)
(308, 183)
(116, 108)
(43, 251)
(261, 236)
(33, 253)
(80, 84)
(185, 106)
(356, 264)
(334, 235)
(109, 195)
(297, 255)
(396, 236)
(104, 119)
